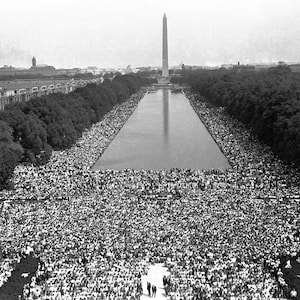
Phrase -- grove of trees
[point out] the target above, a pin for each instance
(29, 131)
(10, 152)
(267, 102)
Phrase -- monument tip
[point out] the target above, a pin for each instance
(165, 15)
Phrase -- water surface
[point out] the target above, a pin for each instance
(163, 132)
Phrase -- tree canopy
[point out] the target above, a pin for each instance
(30, 130)
(267, 102)
(10, 153)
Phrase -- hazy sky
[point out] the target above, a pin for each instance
(115, 33)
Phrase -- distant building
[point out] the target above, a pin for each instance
(11, 71)
(179, 67)
(42, 70)
(128, 69)
(227, 66)
(263, 67)
(147, 69)
(69, 72)
(295, 68)
(247, 68)
(33, 62)
(93, 70)
(121, 71)
(38, 69)
(24, 90)
(281, 63)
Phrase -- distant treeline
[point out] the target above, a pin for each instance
(29, 131)
(268, 102)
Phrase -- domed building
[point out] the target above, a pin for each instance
(42, 69)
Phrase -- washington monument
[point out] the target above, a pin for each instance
(165, 64)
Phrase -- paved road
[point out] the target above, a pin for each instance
(155, 276)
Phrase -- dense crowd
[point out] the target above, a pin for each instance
(220, 233)
(69, 172)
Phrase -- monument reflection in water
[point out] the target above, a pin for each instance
(166, 114)
(164, 132)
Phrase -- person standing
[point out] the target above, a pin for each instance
(149, 288)
(293, 294)
(165, 280)
(153, 290)
(140, 288)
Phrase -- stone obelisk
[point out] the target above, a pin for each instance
(165, 64)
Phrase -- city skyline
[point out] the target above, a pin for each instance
(119, 33)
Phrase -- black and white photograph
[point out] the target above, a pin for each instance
(150, 149)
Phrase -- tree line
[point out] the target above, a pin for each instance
(268, 102)
(29, 131)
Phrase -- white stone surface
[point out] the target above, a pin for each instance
(155, 276)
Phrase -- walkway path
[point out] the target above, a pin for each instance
(155, 276)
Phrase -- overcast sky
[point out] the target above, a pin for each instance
(115, 33)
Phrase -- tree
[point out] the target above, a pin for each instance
(10, 154)
(30, 132)
(57, 120)
(268, 102)
(61, 133)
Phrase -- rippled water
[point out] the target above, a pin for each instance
(164, 132)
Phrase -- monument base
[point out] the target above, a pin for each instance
(164, 81)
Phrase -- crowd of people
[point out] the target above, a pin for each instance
(69, 172)
(220, 233)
